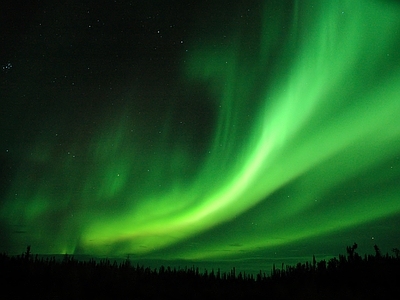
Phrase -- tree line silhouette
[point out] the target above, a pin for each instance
(344, 277)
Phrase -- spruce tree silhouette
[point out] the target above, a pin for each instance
(27, 254)
(396, 252)
(351, 251)
(377, 251)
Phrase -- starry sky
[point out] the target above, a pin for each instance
(200, 130)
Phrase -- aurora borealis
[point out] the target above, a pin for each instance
(201, 131)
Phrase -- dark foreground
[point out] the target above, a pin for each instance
(346, 277)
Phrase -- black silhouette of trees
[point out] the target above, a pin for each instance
(351, 251)
(377, 251)
(396, 252)
(373, 276)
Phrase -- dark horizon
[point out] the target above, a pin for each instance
(250, 265)
(344, 277)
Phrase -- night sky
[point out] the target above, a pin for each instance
(200, 130)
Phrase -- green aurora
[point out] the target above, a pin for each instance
(290, 133)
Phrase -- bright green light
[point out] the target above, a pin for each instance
(317, 114)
